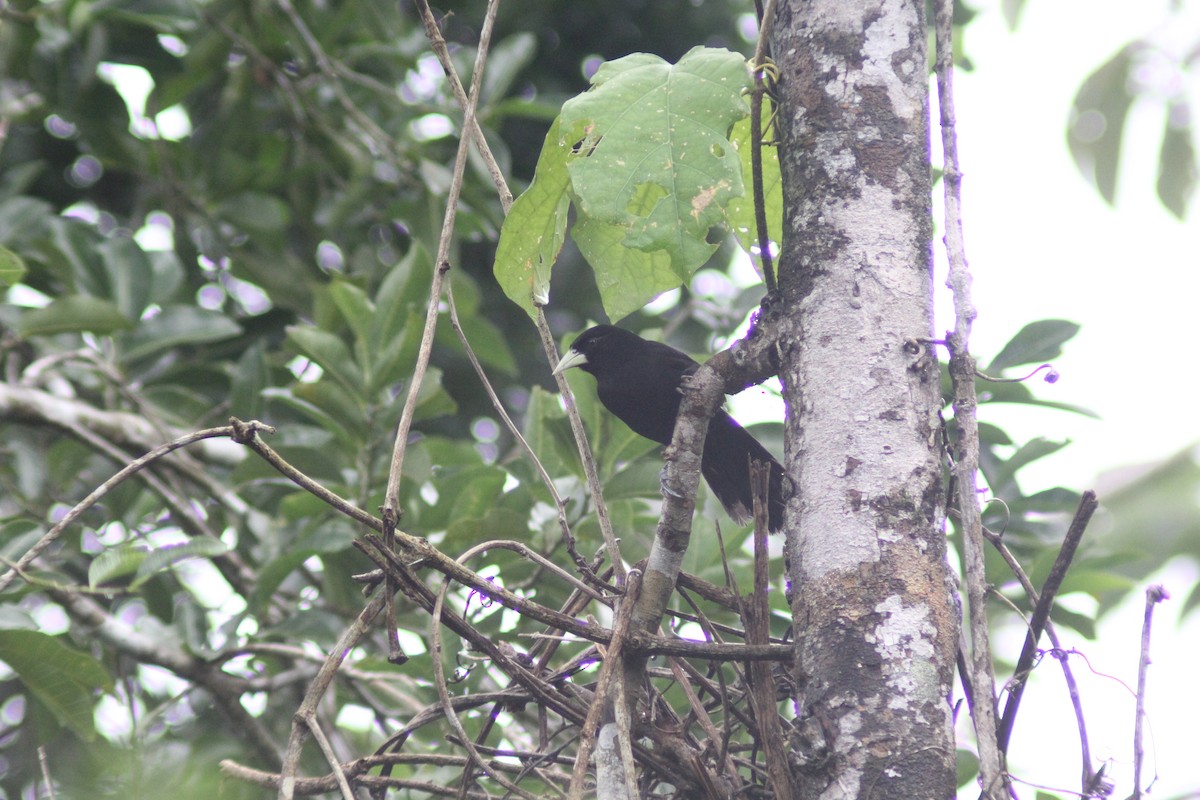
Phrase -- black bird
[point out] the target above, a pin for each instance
(639, 381)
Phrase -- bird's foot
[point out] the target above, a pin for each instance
(662, 484)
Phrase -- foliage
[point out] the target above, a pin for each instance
(1145, 69)
(253, 238)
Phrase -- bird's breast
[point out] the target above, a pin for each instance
(646, 412)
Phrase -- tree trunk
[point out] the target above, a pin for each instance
(875, 615)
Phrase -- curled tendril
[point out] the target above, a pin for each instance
(1051, 375)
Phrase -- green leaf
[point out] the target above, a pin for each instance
(486, 339)
(533, 232)
(627, 279)
(307, 400)
(1095, 582)
(162, 558)
(1036, 343)
(1012, 15)
(1083, 623)
(163, 16)
(1001, 479)
(114, 563)
(63, 679)
(331, 354)
(506, 59)
(128, 274)
(464, 494)
(404, 289)
(396, 360)
(432, 399)
(966, 766)
(338, 403)
(256, 211)
(1097, 123)
(741, 209)
(494, 523)
(543, 413)
(1019, 393)
(355, 306)
(650, 149)
(331, 539)
(178, 326)
(1177, 160)
(73, 314)
(12, 267)
(251, 375)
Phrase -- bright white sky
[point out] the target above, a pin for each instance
(1041, 243)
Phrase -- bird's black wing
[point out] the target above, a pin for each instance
(639, 381)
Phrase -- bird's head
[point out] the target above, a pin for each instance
(597, 346)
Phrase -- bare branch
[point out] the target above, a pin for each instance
(966, 465)
(1041, 612)
(391, 502)
(103, 489)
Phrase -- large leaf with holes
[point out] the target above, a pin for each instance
(651, 152)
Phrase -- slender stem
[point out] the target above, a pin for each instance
(1154, 595)
(756, 145)
(1060, 653)
(1041, 613)
(585, 453)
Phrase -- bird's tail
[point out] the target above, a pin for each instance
(728, 449)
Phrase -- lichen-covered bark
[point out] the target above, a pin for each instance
(876, 621)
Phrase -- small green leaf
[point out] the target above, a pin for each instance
(1097, 124)
(330, 353)
(12, 267)
(1177, 160)
(128, 274)
(966, 767)
(1028, 453)
(250, 377)
(1037, 342)
(177, 326)
(73, 314)
(326, 421)
(401, 295)
(1019, 393)
(505, 61)
(163, 16)
(486, 339)
(396, 359)
(1095, 582)
(337, 403)
(161, 558)
(273, 573)
(357, 309)
(63, 679)
(115, 563)
(1083, 623)
(256, 211)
